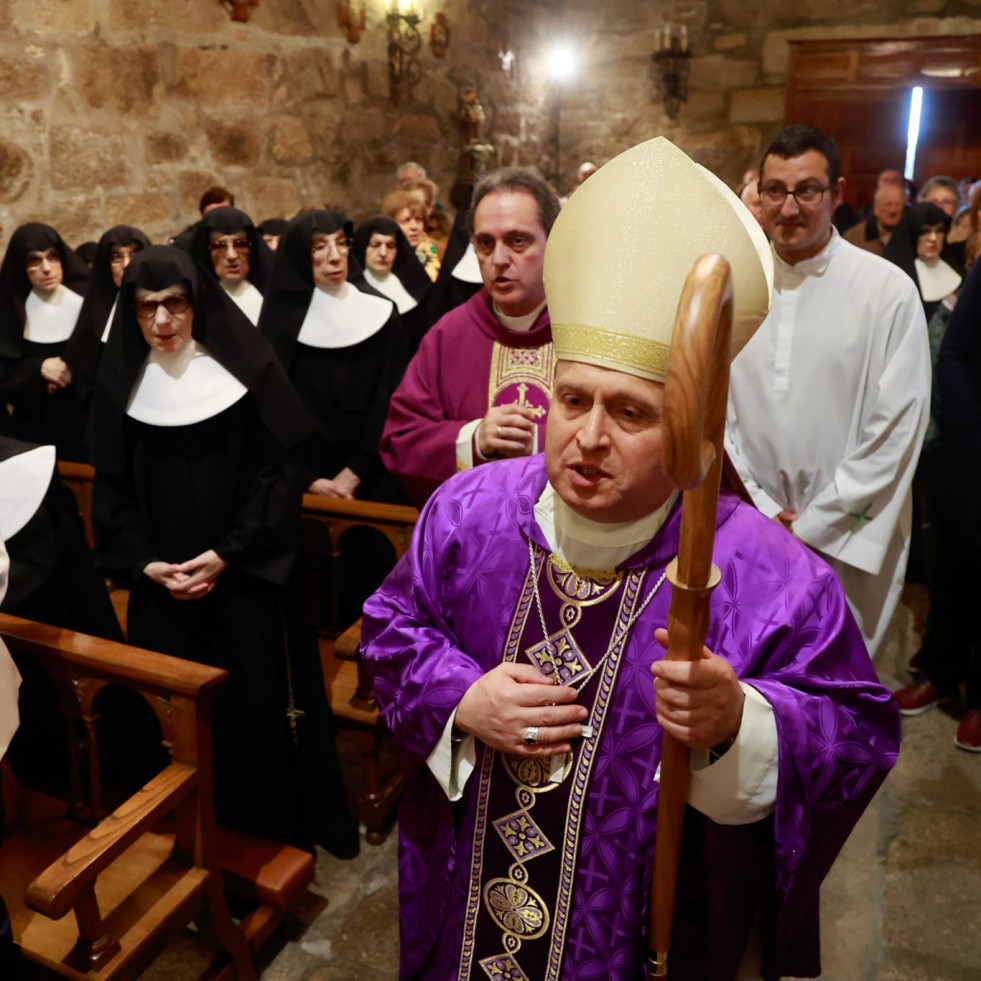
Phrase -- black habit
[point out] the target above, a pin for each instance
(346, 388)
(84, 348)
(406, 269)
(37, 416)
(224, 481)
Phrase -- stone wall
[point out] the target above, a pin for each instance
(738, 70)
(125, 110)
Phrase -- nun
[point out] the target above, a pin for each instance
(196, 506)
(392, 269)
(227, 245)
(918, 245)
(271, 231)
(53, 580)
(84, 349)
(42, 282)
(343, 348)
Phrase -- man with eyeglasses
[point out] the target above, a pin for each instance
(828, 403)
(478, 388)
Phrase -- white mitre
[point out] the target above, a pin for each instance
(619, 252)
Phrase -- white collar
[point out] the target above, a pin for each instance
(522, 324)
(937, 279)
(24, 480)
(183, 388)
(593, 544)
(108, 327)
(247, 298)
(344, 318)
(814, 266)
(391, 286)
(467, 270)
(51, 319)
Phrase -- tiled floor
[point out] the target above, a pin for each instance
(902, 902)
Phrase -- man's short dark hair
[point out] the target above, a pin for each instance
(792, 141)
(215, 195)
(514, 179)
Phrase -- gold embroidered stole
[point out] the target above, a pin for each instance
(529, 811)
(521, 375)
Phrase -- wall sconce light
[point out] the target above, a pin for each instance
(240, 8)
(672, 63)
(404, 42)
(351, 16)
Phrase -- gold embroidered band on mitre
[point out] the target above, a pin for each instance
(611, 349)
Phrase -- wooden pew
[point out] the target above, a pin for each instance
(142, 873)
(80, 477)
(349, 691)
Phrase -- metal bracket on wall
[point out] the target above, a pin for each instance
(239, 8)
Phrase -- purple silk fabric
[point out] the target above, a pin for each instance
(445, 387)
(779, 616)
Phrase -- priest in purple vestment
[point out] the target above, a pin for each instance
(513, 646)
(478, 387)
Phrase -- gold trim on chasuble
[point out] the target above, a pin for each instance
(522, 369)
(511, 902)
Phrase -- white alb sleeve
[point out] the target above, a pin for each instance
(741, 786)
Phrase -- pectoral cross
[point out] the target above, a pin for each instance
(293, 713)
(536, 410)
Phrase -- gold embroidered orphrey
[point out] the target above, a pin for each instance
(528, 368)
(511, 902)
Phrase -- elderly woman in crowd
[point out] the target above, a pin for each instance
(918, 245)
(409, 210)
(112, 255)
(196, 506)
(343, 348)
(391, 268)
(42, 283)
(227, 245)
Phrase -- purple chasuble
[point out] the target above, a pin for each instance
(579, 854)
(467, 363)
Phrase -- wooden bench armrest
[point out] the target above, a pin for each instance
(56, 890)
(368, 511)
(76, 471)
(108, 659)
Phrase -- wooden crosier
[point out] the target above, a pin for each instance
(695, 396)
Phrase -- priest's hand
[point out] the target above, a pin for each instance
(345, 484)
(499, 707)
(506, 430)
(699, 702)
(197, 576)
(55, 372)
(787, 518)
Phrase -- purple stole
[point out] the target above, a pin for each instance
(528, 819)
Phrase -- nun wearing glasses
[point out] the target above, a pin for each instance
(196, 508)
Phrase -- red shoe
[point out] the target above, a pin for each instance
(969, 732)
(917, 698)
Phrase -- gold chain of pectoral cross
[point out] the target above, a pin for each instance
(550, 650)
